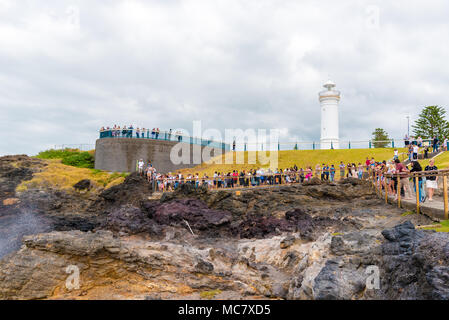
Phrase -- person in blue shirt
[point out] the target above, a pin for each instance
(332, 173)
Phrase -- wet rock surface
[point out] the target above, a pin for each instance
(314, 241)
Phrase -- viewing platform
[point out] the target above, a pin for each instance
(162, 136)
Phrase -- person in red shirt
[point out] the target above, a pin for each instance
(402, 170)
(367, 163)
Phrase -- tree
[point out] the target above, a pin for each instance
(380, 138)
(431, 122)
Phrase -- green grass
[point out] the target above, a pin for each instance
(301, 158)
(443, 226)
(70, 157)
(442, 161)
(407, 213)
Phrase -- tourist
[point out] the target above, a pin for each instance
(406, 140)
(137, 132)
(419, 142)
(431, 180)
(396, 154)
(404, 179)
(367, 163)
(435, 144)
(332, 173)
(415, 152)
(349, 174)
(390, 181)
(309, 174)
(353, 170)
(140, 165)
(318, 171)
(416, 167)
(342, 170)
(153, 133)
(360, 171)
(323, 172)
(410, 152)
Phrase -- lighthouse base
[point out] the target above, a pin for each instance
(327, 144)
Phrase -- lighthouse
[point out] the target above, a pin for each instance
(329, 100)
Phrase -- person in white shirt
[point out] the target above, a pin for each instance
(140, 166)
(415, 151)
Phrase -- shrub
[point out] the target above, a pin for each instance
(70, 157)
(80, 160)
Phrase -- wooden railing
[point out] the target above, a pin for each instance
(379, 182)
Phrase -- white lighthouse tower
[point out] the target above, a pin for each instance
(329, 100)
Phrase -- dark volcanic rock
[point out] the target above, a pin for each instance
(194, 211)
(131, 220)
(415, 263)
(256, 226)
(131, 191)
(83, 185)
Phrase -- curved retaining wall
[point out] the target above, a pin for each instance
(122, 154)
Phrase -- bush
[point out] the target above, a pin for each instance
(70, 157)
(80, 160)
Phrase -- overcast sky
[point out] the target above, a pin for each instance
(70, 67)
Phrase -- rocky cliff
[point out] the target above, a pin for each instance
(311, 241)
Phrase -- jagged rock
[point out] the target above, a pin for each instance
(130, 220)
(82, 185)
(311, 241)
(287, 241)
(415, 263)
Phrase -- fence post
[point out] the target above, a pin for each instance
(349, 144)
(445, 197)
(370, 144)
(313, 145)
(392, 143)
(398, 191)
(417, 193)
(380, 185)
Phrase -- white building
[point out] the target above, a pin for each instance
(329, 116)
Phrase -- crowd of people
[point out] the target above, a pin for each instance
(413, 144)
(131, 132)
(385, 173)
(389, 175)
(256, 177)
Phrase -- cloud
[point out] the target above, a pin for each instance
(70, 67)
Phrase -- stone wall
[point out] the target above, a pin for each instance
(122, 154)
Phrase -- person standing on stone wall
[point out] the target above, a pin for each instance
(140, 165)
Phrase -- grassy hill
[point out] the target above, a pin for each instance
(302, 158)
(66, 167)
(442, 161)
